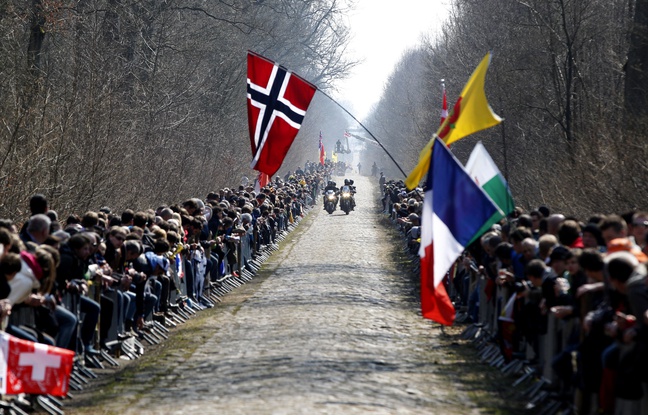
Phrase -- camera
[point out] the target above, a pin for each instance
(521, 286)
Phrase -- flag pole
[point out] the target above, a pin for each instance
(366, 129)
(506, 171)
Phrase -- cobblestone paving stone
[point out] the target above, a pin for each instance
(331, 330)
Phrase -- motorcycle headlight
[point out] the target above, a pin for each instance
(331, 197)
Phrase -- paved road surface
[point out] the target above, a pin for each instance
(332, 330)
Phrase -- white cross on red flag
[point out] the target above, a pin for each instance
(27, 367)
(277, 101)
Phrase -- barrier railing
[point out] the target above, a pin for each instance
(544, 374)
(252, 247)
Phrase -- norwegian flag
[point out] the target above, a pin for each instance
(27, 367)
(277, 101)
(322, 153)
(444, 109)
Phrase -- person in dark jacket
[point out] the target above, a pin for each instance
(71, 276)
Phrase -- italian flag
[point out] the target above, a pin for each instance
(483, 170)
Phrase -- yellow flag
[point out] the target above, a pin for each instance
(471, 113)
(334, 157)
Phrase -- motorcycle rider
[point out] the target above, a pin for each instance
(349, 183)
(331, 185)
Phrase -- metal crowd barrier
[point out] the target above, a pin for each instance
(251, 251)
(544, 392)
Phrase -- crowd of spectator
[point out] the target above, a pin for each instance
(567, 296)
(80, 282)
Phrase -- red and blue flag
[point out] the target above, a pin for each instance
(454, 210)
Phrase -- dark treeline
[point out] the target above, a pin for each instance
(135, 103)
(567, 76)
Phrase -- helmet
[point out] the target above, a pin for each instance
(346, 182)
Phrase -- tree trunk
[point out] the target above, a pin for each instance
(36, 37)
(636, 81)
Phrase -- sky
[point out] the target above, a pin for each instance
(381, 31)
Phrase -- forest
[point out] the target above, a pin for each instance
(568, 78)
(140, 103)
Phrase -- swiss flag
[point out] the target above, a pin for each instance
(277, 101)
(27, 367)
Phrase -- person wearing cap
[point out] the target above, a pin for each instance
(639, 228)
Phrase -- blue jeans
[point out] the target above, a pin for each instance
(131, 307)
(91, 309)
(67, 323)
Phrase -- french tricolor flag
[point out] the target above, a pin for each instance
(449, 221)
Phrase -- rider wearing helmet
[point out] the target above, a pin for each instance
(331, 185)
(349, 183)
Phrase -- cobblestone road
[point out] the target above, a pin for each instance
(330, 330)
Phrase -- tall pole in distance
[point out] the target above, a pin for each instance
(365, 128)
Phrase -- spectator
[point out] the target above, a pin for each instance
(569, 234)
(545, 244)
(592, 238)
(553, 223)
(613, 227)
(70, 278)
(37, 231)
(639, 229)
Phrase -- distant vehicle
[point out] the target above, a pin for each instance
(346, 199)
(330, 201)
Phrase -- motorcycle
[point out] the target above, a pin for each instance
(345, 199)
(330, 200)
